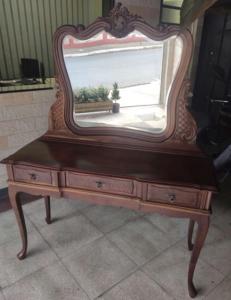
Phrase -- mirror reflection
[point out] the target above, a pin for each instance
(121, 82)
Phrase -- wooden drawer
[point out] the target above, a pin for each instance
(99, 183)
(173, 195)
(32, 175)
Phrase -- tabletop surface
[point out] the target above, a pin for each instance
(162, 168)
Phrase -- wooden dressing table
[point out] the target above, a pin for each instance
(151, 171)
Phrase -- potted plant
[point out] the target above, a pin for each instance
(115, 96)
(103, 93)
(89, 99)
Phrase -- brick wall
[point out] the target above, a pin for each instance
(23, 117)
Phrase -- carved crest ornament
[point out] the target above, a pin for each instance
(121, 21)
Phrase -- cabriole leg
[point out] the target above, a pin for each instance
(202, 230)
(190, 234)
(17, 207)
(48, 209)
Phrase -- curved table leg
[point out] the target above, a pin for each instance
(48, 209)
(190, 234)
(202, 230)
(17, 207)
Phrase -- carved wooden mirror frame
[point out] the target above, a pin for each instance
(180, 126)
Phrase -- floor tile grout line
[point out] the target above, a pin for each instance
(205, 262)
(129, 221)
(104, 234)
(208, 263)
(72, 214)
(59, 259)
(34, 229)
(226, 233)
(114, 229)
(73, 277)
(71, 252)
(217, 227)
(37, 229)
(28, 275)
(95, 225)
(80, 212)
(69, 216)
(92, 223)
(212, 290)
(159, 254)
(157, 283)
(120, 250)
(78, 248)
(139, 268)
(17, 237)
(17, 232)
(38, 232)
(102, 237)
(47, 242)
(117, 283)
(213, 267)
(129, 275)
(151, 258)
(185, 249)
(164, 232)
(54, 220)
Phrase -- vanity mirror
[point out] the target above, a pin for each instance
(121, 77)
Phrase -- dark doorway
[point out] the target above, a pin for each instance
(212, 90)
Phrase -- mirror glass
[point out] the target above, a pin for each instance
(121, 82)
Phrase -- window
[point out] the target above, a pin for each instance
(170, 11)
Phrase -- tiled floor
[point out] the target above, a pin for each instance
(95, 252)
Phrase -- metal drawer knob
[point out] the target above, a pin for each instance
(172, 197)
(33, 176)
(99, 184)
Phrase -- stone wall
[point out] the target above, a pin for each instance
(23, 117)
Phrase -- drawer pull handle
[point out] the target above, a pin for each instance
(172, 197)
(99, 184)
(33, 176)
